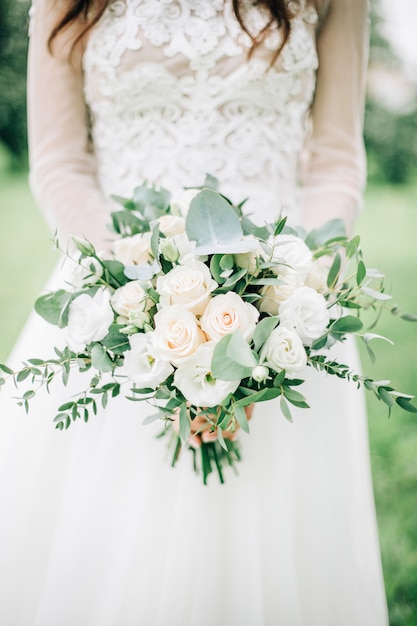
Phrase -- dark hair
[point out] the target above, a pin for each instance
(90, 11)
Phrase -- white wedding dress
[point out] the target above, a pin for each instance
(96, 528)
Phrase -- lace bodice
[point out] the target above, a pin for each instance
(172, 94)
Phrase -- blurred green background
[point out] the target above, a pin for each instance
(388, 229)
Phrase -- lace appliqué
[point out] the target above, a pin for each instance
(173, 96)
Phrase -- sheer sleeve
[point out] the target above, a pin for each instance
(334, 175)
(62, 172)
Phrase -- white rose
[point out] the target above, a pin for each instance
(89, 319)
(195, 380)
(142, 364)
(184, 202)
(130, 298)
(188, 286)
(177, 334)
(171, 225)
(274, 295)
(284, 350)
(293, 253)
(227, 313)
(317, 277)
(134, 250)
(307, 311)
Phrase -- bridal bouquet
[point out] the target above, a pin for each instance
(202, 313)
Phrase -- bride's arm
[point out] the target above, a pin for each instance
(62, 172)
(334, 177)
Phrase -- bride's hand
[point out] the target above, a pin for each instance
(201, 433)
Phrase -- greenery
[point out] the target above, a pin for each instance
(387, 228)
(13, 54)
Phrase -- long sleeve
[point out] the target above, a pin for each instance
(334, 176)
(62, 172)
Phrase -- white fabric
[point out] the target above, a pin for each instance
(96, 528)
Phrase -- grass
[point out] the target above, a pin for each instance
(388, 229)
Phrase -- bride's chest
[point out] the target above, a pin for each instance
(198, 35)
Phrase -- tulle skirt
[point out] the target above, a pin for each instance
(96, 528)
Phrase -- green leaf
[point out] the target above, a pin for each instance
(224, 364)
(115, 340)
(285, 409)
(116, 271)
(385, 396)
(352, 247)
(259, 396)
(5, 369)
(221, 440)
(334, 271)
(373, 293)
(334, 229)
(346, 324)
(319, 343)
(54, 307)
(185, 427)
(296, 398)
(22, 375)
(262, 331)
(215, 226)
(100, 359)
(241, 418)
(152, 203)
(151, 418)
(360, 273)
(406, 405)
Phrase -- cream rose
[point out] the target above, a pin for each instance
(188, 285)
(177, 334)
(227, 313)
(89, 319)
(307, 311)
(142, 364)
(274, 295)
(195, 381)
(284, 350)
(135, 250)
(131, 298)
(171, 225)
(293, 254)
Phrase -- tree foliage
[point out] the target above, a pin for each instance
(13, 53)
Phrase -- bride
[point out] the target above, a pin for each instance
(96, 529)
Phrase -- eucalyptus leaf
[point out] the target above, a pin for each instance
(100, 359)
(238, 350)
(346, 324)
(334, 271)
(373, 293)
(223, 366)
(360, 273)
(241, 418)
(262, 331)
(285, 409)
(54, 307)
(331, 230)
(214, 225)
(185, 427)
